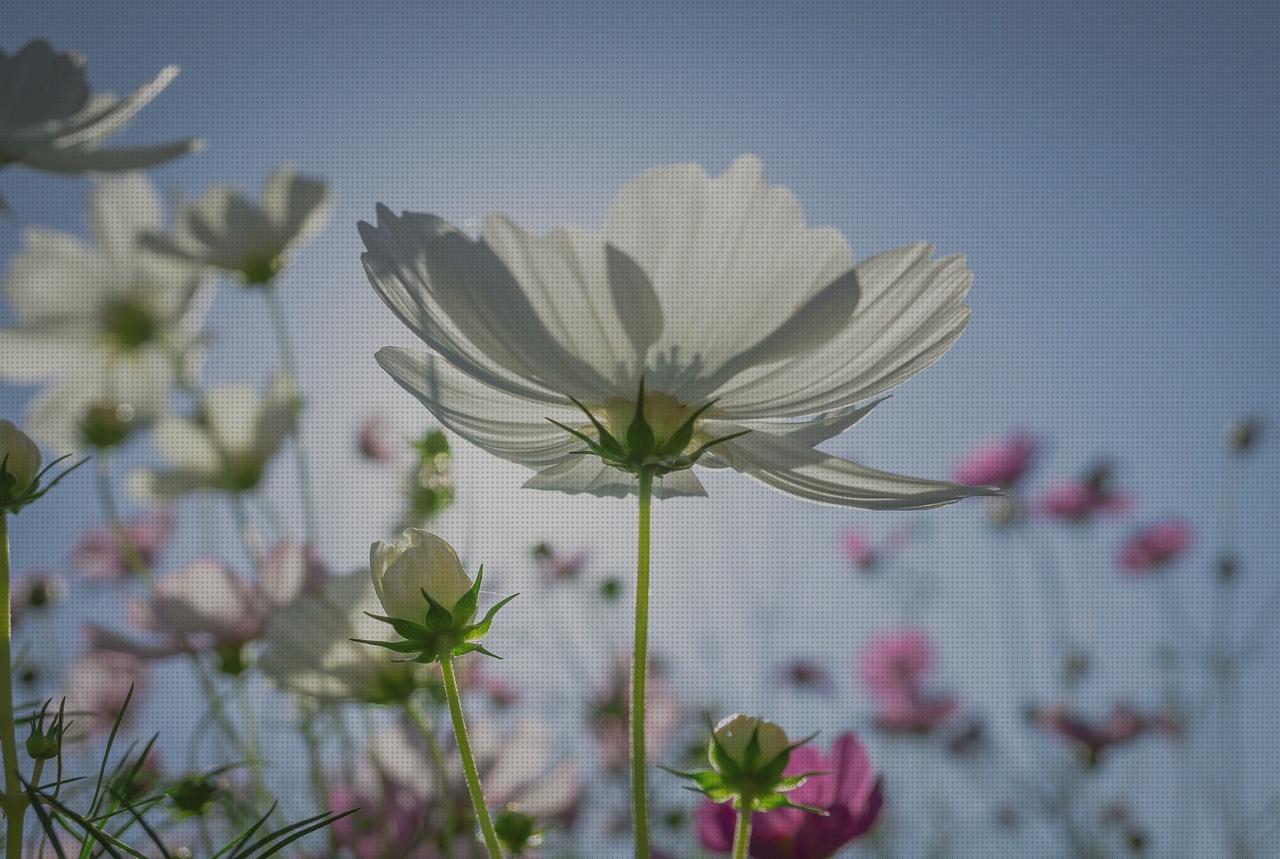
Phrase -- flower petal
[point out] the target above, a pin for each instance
(910, 312)
(39, 86)
(459, 297)
(81, 159)
(295, 204)
(587, 474)
(797, 469)
(729, 250)
(493, 420)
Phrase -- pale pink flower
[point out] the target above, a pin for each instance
(847, 790)
(1156, 546)
(1000, 462)
(1077, 501)
(1094, 736)
(807, 674)
(388, 824)
(895, 668)
(207, 606)
(555, 566)
(102, 554)
(610, 716)
(96, 687)
(378, 442)
(866, 552)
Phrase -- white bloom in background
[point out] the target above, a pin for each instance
(49, 119)
(416, 562)
(106, 324)
(713, 291)
(226, 446)
(226, 230)
(309, 647)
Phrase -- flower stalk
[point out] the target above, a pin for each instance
(742, 830)
(15, 798)
(468, 761)
(639, 666)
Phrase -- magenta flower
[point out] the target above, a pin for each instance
(895, 668)
(1094, 736)
(1078, 501)
(378, 442)
(1001, 462)
(101, 554)
(206, 606)
(847, 790)
(1155, 546)
(385, 827)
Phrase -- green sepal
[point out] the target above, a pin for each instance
(13, 497)
(680, 439)
(394, 646)
(482, 627)
(465, 608)
(607, 442)
(640, 438)
(439, 618)
(472, 647)
(404, 628)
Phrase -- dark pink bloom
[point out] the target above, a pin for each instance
(847, 790)
(895, 668)
(807, 674)
(866, 552)
(378, 442)
(1001, 462)
(1094, 736)
(1077, 501)
(1155, 546)
(386, 826)
(101, 554)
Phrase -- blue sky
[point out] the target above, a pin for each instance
(1110, 170)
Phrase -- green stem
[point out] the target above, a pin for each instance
(639, 666)
(289, 364)
(15, 798)
(468, 762)
(436, 754)
(132, 556)
(742, 830)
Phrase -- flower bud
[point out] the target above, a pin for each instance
(19, 457)
(733, 740)
(417, 562)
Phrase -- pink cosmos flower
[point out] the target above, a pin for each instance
(1076, 501)
(96, 687)
(865, 552)
(101, 554)
(895, 668)
(847, 789)
(206, 606)
(1094, 736)
(387, 826)
(1001, 462)
(807, 674)
(1155, 546)
(378, 442)
(610, 715)
(555, 566)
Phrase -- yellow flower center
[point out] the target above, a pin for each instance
(664, 414)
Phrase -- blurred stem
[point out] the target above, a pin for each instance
(742, 830)
(132, 556)
(253, 747)
(639, 667)
(15, 798)
(436, 754)
(319, 783)
(468, 762)
(290, 365)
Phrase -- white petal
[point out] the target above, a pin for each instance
(799, 470)
(504, 425)
(121, 208)
(39, 86)
(910, 313)
(816, 430)
(81, 159)
(731, 260)
(588, 475)
(456, 294)
(55, 276)
(295, 204)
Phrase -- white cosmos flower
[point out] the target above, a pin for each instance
(107, 324)
(226, 446)
(226, 230)
(309, 648)
(708, 289)
(49, 119)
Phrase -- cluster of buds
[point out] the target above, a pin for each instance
(658, 447)
(46, 744)
(428, 598)
(20, 472)
(748, 757)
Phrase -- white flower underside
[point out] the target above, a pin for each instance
(62, 291)
(50, 120)
(708, 288)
